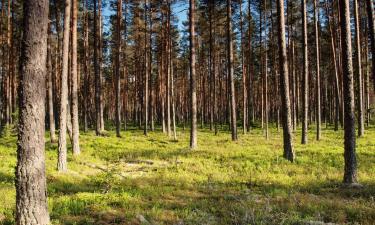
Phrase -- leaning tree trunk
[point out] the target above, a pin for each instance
(31, 187)
(74, 81)
(62, 151)
(193, 89)
(231, 72)
(305, 79)
(284, 84)
(350, 175)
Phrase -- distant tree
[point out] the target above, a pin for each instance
(305, 77)
(231, 72)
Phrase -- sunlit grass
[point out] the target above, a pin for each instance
(135, 178)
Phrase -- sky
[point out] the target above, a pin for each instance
(179, 9)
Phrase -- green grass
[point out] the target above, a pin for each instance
(121, 180)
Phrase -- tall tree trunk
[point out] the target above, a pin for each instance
(350, 175)
(244, 87)
(337, 85)
(305, 78)
(284, 84)
(86, 68)
(51, 115)
(75, 123)
(371, 18)
(62, 151)
(317, 55)
(31, 187)
(193, 90)
(265, 78)
(358, 67)
(97, 72)
(231, 72)
(118, 73)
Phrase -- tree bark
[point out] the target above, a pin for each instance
(358, 67)
(62, 151)
(350, 175)
(193, 91)
(231, 72)
(305, 78)
(118, 73)
(371, 18)
(51, 114)
(31, 187)
(284, 84)
(317, 55)
(74, 81)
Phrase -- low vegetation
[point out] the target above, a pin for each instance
(151, 180)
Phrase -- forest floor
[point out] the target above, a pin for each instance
(154, 180)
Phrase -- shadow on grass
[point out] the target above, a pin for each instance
(170, 201)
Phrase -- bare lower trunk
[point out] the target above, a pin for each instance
(350, 175)
(305, 78)
(75, 124)
(62, 151)
(231, 72)
(193, 91)
(284, 84)
(31, 187)
(51, 114)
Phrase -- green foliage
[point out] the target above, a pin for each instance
(140, 180)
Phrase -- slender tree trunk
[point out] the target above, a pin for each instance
(371, 18)
(284, 84)
(97, 72)
(62, 151)
(51, 115)
(118, 73)
(86, 68)
(75, 123)
(231, 72)
(358, 67)
(193, 91)
(265, 78)
(350, 175)
(305, 80)
(31, 187)
(337, 86)
(317, 52)
(244, 89)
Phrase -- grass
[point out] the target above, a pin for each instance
(153, 180)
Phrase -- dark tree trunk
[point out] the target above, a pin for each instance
(318, 108)
(305, 78)
(350, 175)
(358, 67)
(371, 18)
(284, 84)
(231, 72)
(31, 187)
(118, 73)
